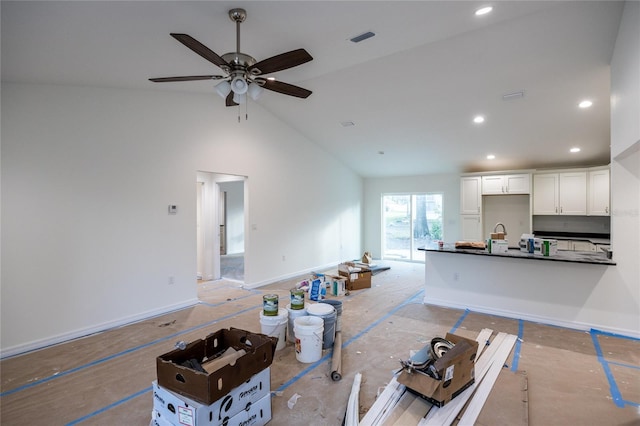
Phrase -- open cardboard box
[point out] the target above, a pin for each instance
(358, 275)
(207, 388)
(456, 367)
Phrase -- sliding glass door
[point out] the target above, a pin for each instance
(410, 221)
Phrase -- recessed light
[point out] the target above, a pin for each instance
(585, 104)
(491, 157)
(478, 119)
(483, 10)
(574, 150)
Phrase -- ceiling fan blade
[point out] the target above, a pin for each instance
(229, 101)
(200, 49)
(281, 62)
(186, 78)
(286, 89)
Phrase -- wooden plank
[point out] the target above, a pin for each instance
(384, 404)
(416, 411)
(484, 388)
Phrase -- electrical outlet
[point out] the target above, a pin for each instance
(284, 258)
(172, 280)
(456, 276)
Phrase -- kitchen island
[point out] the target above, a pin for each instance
(555, 290)
(561, 256)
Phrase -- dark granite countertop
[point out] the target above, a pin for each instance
(561, 256)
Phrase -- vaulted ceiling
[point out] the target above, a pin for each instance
(411, 91)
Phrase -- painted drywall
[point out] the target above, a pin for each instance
(375, 188)
(88, 174)
(586, 296)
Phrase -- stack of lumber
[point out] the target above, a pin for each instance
(396, 406)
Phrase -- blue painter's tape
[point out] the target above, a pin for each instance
(110, 406)
(613, 387)
(516, 352)
(459, 322)
(620, 336)
(125, 352)
(348, 342)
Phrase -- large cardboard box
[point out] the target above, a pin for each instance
(207, 388)
(358, 276)
(181, 410)
(456, 367)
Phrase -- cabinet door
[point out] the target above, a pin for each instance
(599, 193)
(517, 184)
(493, 185)
(573, 193)
(545, 194)
(471, 195)
(471, 227)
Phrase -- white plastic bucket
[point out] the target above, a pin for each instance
(328, 314)
(308, 331)
(275, 326)
(293, 314)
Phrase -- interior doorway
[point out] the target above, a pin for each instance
(220, 226)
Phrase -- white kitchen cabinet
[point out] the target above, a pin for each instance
(471, 208)
(599, 197)
(573, 193)
(471, 195)
(506, 184)
(545, 194)
(471, 227)
(560, 193)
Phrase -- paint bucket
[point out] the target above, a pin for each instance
(308, 332)
(275, 326)
(328, 314)
(293, 314)
(338, 306)
(270, 305)
(297, 298)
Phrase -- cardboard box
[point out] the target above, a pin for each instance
(358, 276)
(254, 414)
(207, 388)
(498, 246)
(456, 367)
(546, 247)
(181, 410)
(337, 284)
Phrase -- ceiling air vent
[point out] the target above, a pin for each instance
(361, 37)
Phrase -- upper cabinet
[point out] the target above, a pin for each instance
(599, 198)
(471, 195)
(560, 193)
(506, 184)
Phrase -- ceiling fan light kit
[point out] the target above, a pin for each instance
(243, 74)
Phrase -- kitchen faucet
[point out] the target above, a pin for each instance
(504, 230)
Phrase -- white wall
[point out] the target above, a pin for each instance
(580, 296)
(375, 188)
(87, 175)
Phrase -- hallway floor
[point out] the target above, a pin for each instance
(572, 377)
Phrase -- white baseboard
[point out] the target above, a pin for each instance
(87, 331)
(575, 325)
(291, 275)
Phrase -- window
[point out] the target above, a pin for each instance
(410, 221)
